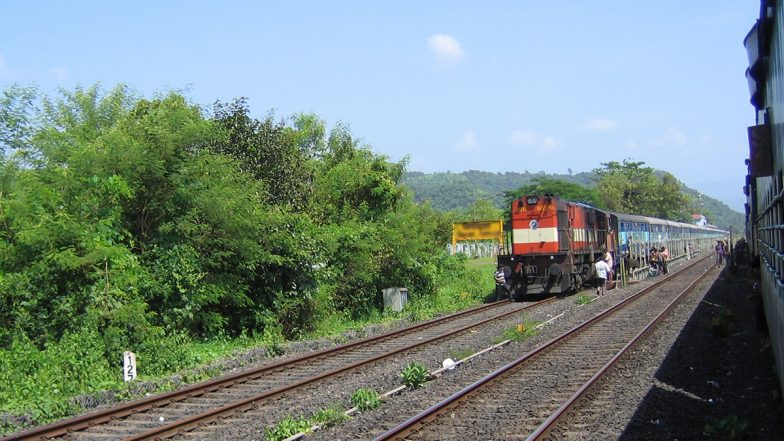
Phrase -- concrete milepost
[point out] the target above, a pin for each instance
(129, 366)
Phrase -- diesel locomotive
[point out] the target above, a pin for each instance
(554, 243)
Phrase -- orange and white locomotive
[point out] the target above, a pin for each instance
(556, 242)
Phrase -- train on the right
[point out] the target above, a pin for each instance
(764, 186)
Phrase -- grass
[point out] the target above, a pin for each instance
(523, 331)
(460, 354)
(583, 299)
(42, 384)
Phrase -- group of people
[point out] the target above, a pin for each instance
(658, 259)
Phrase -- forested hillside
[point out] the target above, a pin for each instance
(455, 191)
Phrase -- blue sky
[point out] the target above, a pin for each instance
(459, 85)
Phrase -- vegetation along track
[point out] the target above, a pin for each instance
(167, 414)
(528, 394)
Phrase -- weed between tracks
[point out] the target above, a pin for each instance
(583, 299)
(414, 375)
(521, 332)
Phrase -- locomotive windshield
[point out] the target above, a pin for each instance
(532, 200)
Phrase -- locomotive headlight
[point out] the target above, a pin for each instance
(532, 200)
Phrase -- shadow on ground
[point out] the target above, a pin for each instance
(719, 372)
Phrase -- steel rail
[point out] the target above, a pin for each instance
(69, 425)
(550, 422)
(189, 423)
(431, 413)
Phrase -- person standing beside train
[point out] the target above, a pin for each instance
(602, 271)
(653, 260)
(611, 272)
(719, 253)
(664, 257)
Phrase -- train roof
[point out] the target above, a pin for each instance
(644, 219)
(629, 217)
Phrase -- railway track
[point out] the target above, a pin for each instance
(534, 393)
(175, 412)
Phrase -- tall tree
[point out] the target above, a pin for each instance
(632, 188)
(563, 189)
(268, 150)
(481, 210)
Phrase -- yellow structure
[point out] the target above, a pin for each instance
(483, 230)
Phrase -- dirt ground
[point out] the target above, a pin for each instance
(718, 381)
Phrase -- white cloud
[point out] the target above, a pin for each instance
(600, 125)
(446, 48)
(59, 73)
(469, 143)
(630, 144)
(530, 138)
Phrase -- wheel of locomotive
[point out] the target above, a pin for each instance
(585, 273)
(553, 274)
(566, 283)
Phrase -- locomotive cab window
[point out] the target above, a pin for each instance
(533, 200)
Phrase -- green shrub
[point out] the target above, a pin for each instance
(414, 375)
(521, 332)
(731, 428)
(583, 299)
(41, 381)
(330, 416)
(365, 399)
(286, 428)
(721, 323)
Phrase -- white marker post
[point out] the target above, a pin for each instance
(129, 366)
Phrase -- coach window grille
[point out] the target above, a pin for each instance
(774, 228)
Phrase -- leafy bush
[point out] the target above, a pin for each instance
(731, 428)
(583, 299)
(365, 399)
(414, 375)
(330, 416)
(41, 381)
(521, 332)
(287, 427)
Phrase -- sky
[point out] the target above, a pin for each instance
(499, 86)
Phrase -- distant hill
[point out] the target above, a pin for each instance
(454, 191)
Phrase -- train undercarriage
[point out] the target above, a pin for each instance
(547, 274)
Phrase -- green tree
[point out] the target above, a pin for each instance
(481, 210)
(632, 188)
(563, 189)
(269, 151)
(16, 111)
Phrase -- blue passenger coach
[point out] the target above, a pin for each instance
(637, 235)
